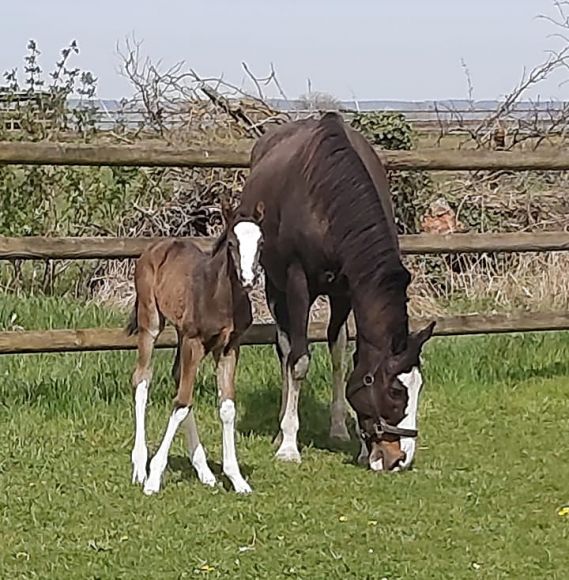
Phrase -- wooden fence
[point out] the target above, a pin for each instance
(152, 155)
(156, 155)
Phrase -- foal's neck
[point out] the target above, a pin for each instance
(223, 275)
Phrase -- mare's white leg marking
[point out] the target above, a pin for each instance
(230, 465)
(413, 381)
(197, 452)
(139, 455)
(248, 235)
(339, 406)
(288, 449)
(284, 346)
(160, 460)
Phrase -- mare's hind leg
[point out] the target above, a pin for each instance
(277, 305)
(149, 324)
(338, 343)
(296, 367)
(191, 353)
(196, 451)
(226, 365)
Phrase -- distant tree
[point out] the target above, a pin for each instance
(318, 101)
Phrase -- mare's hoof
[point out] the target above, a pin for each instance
(288, 454)
(300, 368)
(340, 433)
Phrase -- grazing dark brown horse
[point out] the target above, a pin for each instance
(329, 230)
(205, 296)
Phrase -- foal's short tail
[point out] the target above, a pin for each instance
(132, 325)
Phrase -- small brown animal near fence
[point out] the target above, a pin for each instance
(68, 340)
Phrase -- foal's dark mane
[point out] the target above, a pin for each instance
(339, 182)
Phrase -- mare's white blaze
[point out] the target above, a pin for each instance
(139, 454)
(160, 460)
(248, 235)
(230, 465)
(413, 381)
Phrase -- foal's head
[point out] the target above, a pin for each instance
(245, 240)
(385, 400)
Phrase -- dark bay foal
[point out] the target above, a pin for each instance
(205, 297)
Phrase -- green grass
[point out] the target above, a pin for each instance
(492, 471)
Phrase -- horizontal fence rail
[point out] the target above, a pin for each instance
(83, 248)
(150, 155)
(103, 339)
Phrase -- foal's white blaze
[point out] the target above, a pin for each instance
(248, 235)
(230, 465)
(139, 454)
(413, 381)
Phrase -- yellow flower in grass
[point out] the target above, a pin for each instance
(564, 511)
(343, 519)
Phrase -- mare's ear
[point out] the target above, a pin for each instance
(404, 361)
(420, 337)
(259, 212)
(227, 211)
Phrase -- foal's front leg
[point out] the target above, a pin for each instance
(191, 353)
(226, 365)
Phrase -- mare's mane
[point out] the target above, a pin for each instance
(339, 182)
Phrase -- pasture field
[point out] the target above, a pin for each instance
(484, 499)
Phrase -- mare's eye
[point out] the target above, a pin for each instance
(396, 393)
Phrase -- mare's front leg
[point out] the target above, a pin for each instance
(296, 365)
(338, 344)
(191, 354)
(226, 365)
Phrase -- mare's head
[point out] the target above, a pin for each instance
(244, 241)
(385, 397)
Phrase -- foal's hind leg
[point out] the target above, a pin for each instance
(149, 327)
(191, 353)
(226, 365)
(196, 451)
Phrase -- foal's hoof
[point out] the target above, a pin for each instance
(300, 368)
(152, 485)
(138, 474)
(139, 457)
(288, 454)
(242, 488)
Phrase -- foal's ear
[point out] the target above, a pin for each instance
(259, 213)
(227, 211)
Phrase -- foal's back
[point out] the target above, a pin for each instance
(169, 275)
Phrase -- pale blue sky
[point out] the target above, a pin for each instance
(383, 49)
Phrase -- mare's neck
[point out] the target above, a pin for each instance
(381, 319)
